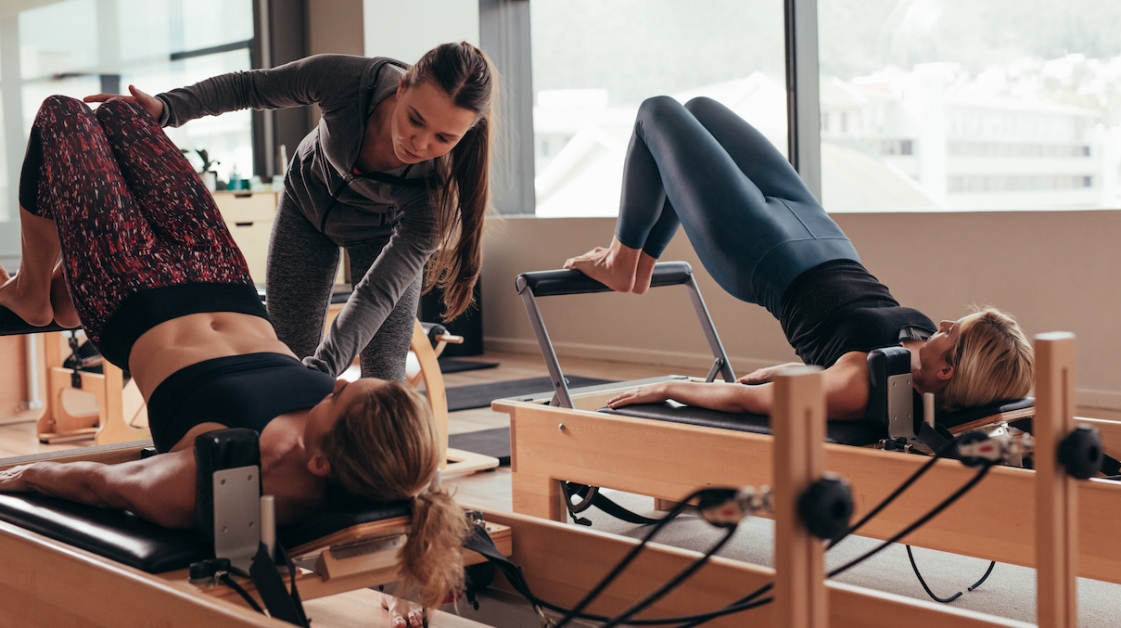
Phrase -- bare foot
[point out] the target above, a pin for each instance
(64, 313)
(402, 613)
(614, 267)
(33, 306)
(644, 273)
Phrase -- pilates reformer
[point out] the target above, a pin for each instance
(91, 551)
(49, 582)
(664, 450)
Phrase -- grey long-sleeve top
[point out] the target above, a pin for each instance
(347, 89)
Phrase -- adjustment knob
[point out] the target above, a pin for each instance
(826, 507)
(1081, 452)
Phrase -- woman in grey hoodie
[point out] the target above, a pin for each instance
(396, 170)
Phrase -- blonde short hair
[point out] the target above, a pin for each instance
(386, 446)
(993, 361)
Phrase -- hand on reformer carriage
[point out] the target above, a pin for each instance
(846, 387)
(766, 374)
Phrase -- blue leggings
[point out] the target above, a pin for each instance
(754, 224)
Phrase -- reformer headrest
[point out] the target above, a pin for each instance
(884, 364)
(216, 451)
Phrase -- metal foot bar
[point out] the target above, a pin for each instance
(561, 282)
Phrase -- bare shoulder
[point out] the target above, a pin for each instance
(847, 386)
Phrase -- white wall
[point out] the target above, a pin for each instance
(407, 29)
(1055, 271)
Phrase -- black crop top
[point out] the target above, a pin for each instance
(237, 391)
(838, 306)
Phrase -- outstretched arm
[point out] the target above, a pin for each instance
(160, 489)
(715, 396)
(846, 387)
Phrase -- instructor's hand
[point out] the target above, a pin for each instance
(151, 104)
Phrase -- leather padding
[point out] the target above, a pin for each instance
(882, 364)
(842, 432)
(114, 534)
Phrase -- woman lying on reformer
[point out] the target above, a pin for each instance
(764, 238)
(161, 290)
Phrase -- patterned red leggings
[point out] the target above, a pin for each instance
(131, 212)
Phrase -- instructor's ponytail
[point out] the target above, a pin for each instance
(460, 187)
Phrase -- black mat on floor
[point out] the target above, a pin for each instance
(451, 365)
(480, 395)
(494, 443)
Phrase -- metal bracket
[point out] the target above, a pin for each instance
(237, 515)
(901, 408)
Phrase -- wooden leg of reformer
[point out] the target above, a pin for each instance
(799, 428)
(1056, 493)
(538, 496)
(115, 427)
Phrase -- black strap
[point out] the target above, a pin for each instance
(282, 604)
(479, 541)
(935, 437)
(601, 501)
(1110, 465)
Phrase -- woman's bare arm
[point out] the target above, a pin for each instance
(715, 396)
(160, 489)
(845, 383)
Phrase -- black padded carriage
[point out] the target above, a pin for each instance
(125, 538)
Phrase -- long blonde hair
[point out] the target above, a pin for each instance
(386, 447)
(460, 180)
(993, 361)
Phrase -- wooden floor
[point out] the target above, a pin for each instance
(489, 489)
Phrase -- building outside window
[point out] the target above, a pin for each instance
(595, 61)
(1008, 104)
(925, 105)
(82, 47)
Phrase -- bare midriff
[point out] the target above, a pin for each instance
(181, 342)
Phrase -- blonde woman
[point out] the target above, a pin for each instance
(764, 238)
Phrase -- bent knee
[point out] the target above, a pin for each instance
(658, 107)
(65, 105)
(118, 108)
(700, 103)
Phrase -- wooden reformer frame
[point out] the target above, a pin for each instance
(48, 583)
(666, 460)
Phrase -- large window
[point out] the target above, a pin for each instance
(924, 104)
(966, 104)
(595, 61)
(82, 47)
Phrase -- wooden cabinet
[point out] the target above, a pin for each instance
(249, 218)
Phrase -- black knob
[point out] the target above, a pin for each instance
(826, 507)
(1081, 452)
(201, 572)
